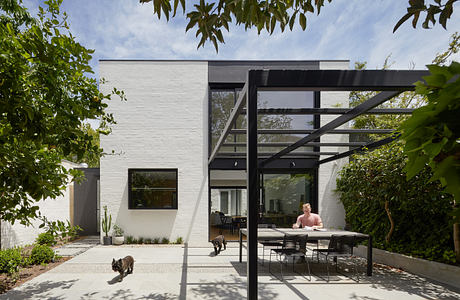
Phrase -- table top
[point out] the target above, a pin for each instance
(278, 233)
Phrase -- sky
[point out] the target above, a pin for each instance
(355, 30)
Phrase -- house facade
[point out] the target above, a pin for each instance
(158, 181)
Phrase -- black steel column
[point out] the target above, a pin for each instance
(252, 187)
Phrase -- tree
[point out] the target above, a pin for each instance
(44, 98)
(210, 17)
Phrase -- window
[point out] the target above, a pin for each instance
(224, 202)
(152, 188)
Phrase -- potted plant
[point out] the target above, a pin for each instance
(106, 225)
(118, 238)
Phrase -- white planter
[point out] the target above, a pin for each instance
(118, 240)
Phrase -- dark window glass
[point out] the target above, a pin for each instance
(152, 189)
(224, 202)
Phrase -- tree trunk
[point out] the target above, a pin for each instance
(456, 237)
(457, 241)
(392, 223)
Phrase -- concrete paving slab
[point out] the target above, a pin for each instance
(180, 272)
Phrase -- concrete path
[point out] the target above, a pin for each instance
(78, 247)
(178, 272)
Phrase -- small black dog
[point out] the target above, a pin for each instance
(217, 243)
(122, 265)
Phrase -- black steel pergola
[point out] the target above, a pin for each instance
(389, 83)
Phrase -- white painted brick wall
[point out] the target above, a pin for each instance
(330, 208)
(54, 209)
(162, 125)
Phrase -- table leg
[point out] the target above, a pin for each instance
(241, 245)
(369, 256)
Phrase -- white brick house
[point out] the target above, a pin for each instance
(164, 130)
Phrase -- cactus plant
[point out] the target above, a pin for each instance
(106, 222)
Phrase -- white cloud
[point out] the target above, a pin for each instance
(355, 30)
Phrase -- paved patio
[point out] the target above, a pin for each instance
(178, 272)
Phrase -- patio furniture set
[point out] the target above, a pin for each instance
(288, 244)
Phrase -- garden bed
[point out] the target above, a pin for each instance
(8, 282)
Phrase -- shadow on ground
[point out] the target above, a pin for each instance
(41, 290)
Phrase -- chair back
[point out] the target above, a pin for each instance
(297, 242)
(342, 244)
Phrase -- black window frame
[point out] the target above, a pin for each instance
(130, 197)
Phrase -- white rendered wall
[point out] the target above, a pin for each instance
(162, 125)
(330, 208)
(54, 209)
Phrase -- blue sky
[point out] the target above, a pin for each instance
(357, 30)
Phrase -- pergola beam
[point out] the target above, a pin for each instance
(369, 146)
(328, 111)
(353, 113)
(309, 131)
(299, 154)
(236, 111)
(310, 144)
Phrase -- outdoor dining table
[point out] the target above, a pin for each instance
(322, 234)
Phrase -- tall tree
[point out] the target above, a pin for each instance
(211, 17)
(44, 98)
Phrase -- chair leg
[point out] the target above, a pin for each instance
(308, 266)
(327, 268)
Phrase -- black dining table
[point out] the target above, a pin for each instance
(321, 234)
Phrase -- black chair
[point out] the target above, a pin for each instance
(294, 246)
(269, 243)
(339, 246)
(225, 223)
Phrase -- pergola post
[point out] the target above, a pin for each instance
(252, 187)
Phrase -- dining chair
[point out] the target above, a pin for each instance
(339, 246)
(270, 244)
(294, 247)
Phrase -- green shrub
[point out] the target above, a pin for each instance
(46, 238)
(148, 241)
(156, 240)
(129, 239)
(165, 240)
(419, 208)
(10, 260)
(140, 240)
(179, 240)
(42, 254)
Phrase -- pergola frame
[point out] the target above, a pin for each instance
(389, 82)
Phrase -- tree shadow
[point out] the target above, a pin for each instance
(41, 290)
(232, 288)
(128, 294)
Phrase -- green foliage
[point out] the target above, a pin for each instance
(10, 260)
(117, 230)
(46, 238)
(44, 99)
(106, 222)
(42, 254)
(419, 207)
(431, 9)
(148, 241)
(211, 17)
(129, 239)
(179, 240)
(60, 229)
(165, 240)
(432, 134)
(156, 240)
(140, 240)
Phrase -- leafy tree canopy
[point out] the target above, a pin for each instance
(210, 17)
(44, 99)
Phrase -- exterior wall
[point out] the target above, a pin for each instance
(162, 125)
(330, 208)
(54, 209)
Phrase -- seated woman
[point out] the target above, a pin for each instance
(308, 218)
